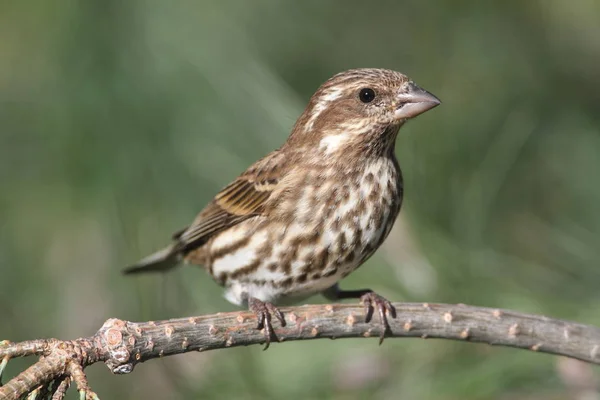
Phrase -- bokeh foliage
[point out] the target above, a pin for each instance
(120, 119)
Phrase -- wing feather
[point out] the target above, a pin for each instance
(241, 199)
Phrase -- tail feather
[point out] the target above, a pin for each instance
(161, 261)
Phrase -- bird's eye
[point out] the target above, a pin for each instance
(366, 95)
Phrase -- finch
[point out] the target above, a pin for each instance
(302, 218)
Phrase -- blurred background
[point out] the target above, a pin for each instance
(119, 120)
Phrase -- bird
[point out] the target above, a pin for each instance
(306, 215)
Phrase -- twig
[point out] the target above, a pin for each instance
(121, 345)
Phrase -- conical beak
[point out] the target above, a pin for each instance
(414, 101)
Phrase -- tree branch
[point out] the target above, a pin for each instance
(121, 345)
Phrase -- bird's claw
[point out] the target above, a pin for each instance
(372, 300)
(264, 312)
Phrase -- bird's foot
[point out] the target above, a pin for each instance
(264, 312)
(372, 300)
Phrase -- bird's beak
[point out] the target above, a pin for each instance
(414, 101)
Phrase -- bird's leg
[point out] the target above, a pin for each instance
(264, 311)
(370, 300)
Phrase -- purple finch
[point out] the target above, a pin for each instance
(305, 216)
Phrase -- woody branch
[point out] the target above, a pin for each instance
(122, 345)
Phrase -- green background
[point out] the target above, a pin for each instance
(120, 119)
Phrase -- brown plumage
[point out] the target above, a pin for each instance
(305, 216)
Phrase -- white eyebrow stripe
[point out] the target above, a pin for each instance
(332, 95)
(329, 96)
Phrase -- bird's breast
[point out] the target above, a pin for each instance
(325, 230)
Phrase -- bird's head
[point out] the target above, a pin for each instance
(361, 106)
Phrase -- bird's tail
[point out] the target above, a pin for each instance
(161, 261)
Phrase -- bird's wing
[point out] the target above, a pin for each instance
(243, 198)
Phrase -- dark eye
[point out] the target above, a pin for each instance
(366, 95)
